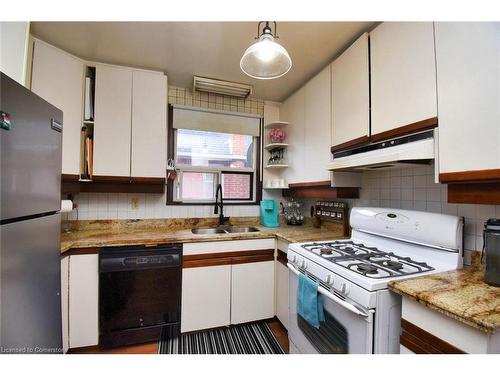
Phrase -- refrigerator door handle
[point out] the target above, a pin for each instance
(57, 126)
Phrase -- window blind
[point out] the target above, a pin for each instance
(216, 121)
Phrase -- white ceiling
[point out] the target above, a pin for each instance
(210, 49)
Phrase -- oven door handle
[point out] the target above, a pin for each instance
(332, 296)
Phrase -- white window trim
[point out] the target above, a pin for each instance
(177, 183)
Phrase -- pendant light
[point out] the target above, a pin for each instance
(266, 59)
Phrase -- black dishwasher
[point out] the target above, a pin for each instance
(139, 293)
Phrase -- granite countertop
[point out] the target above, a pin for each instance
(460, 294)
(103, 233)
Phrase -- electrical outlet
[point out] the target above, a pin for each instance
(134, 202)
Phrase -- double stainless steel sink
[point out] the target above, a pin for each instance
(224, 230)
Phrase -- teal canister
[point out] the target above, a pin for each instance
(269, 213)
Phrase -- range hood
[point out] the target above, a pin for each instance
(394, 153)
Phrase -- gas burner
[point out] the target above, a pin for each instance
(367, 268)
(347, 249)
(365, 256)
(391, 264)
(325, 250)
(365, 260)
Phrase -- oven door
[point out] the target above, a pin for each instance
(347, 329)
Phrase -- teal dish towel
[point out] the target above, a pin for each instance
(309, 301)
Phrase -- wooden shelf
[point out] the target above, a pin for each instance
(276, 166)
(273, 146)
(275, 124)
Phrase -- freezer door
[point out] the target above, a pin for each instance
(30, 153)
(30, 282)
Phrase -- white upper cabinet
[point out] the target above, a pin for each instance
(293, 111)
(14, 45)
(468, 79)
(112, 123)
(58, 78)
(403, 75)
(351, 94)
(309, 114)
(149, 124)
(317, 128)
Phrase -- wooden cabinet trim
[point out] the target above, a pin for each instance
(113, 184)
(479, 193)
(282, 257)
(81, 251)
(350, 144)
(234, 257)
(327, 183)
(148, 180)
(69, 177)
(324, 192)
(114, 179)
(484, 175)
(400, 131)
(422, 342)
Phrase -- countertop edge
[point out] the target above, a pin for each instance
(484, 328)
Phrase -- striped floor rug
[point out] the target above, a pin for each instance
(251, 338)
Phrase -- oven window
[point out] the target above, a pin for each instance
(330, 338)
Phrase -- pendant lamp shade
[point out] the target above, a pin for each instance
(265, 59)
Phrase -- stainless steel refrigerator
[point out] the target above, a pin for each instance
(30, 178)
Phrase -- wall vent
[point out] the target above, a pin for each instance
(220, 87)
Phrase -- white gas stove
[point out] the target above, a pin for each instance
(385, 245)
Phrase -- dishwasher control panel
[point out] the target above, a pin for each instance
(137, 258)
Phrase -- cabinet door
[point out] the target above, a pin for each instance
(252, 291)
(149, 124)
(294, 112)
(282, 293)
(112, 123)
(58, 78)
(468, 78)
(206, 297)
(83, 300)
(14, 41)
(403, 75)
(351, 95)
(317, 127)
(65, 301)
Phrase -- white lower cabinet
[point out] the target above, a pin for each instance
(282, 293)
(83, 300)
(231, 291)
(451, 331)
(65, 302)
(206, 297)
(252, 291)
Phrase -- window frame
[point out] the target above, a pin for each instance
(255, 173)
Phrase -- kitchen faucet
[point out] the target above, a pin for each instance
(222, 219)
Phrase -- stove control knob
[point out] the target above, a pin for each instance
(303, 264)
(345, 289)
(329, 280)
(294, 259)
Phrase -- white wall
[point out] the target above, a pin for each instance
(14, 49)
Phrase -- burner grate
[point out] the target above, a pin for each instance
(367, 261)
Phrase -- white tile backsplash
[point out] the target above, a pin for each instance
(414, 188)
(103, 206)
